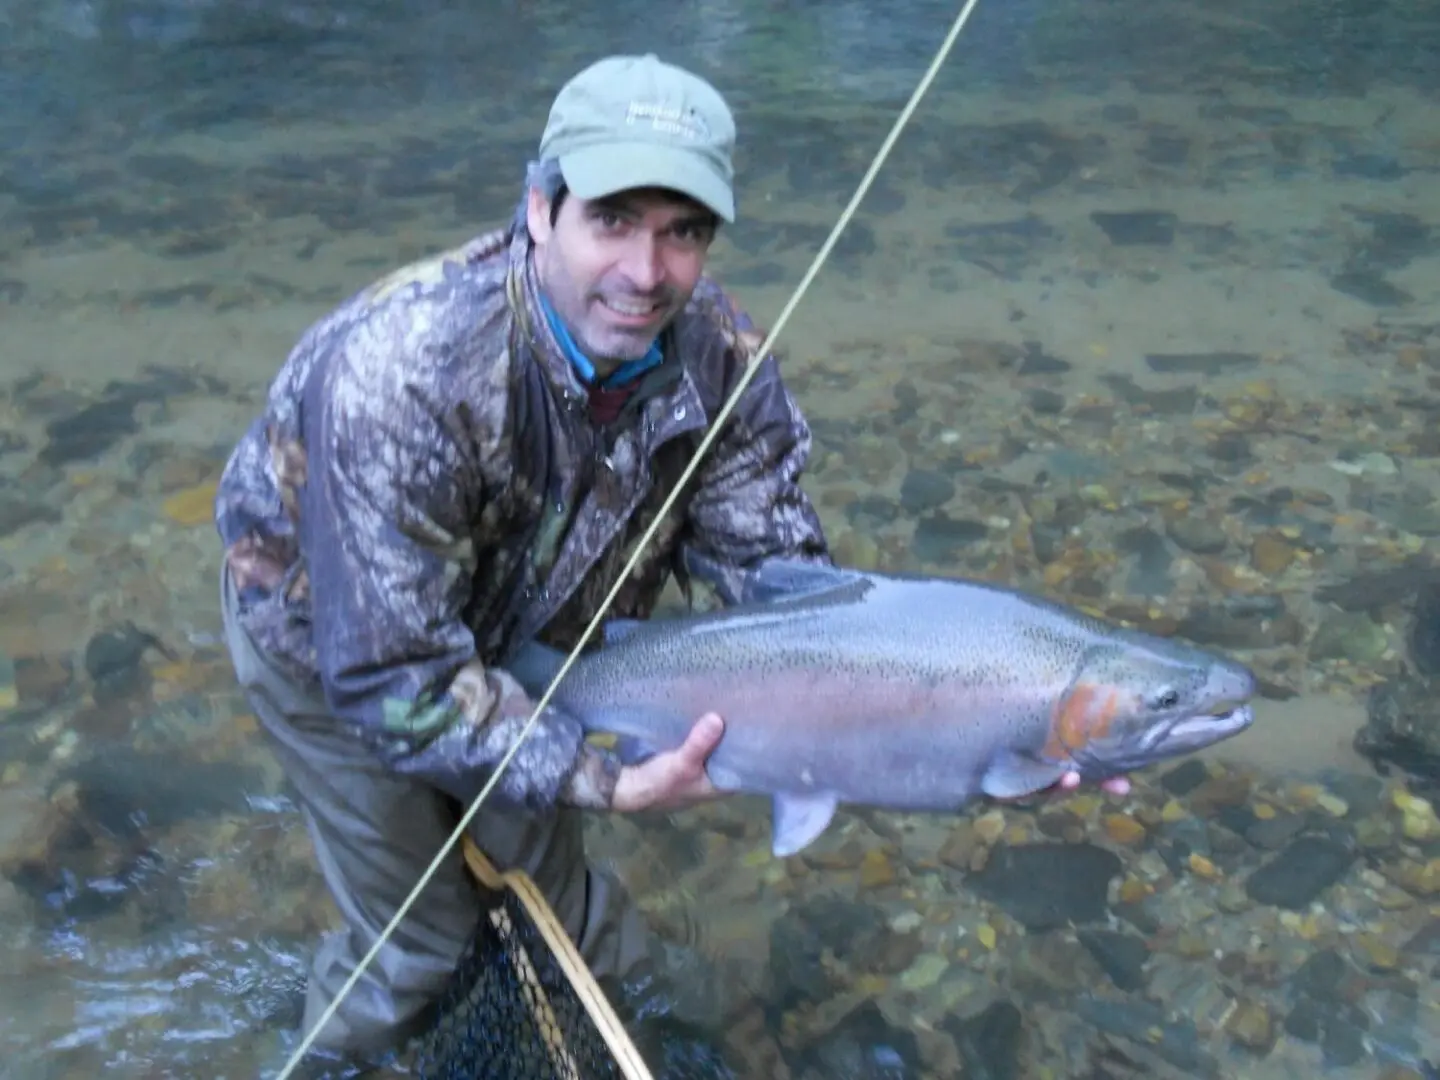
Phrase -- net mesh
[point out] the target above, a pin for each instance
(521, 1003)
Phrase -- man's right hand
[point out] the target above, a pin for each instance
(674, 779)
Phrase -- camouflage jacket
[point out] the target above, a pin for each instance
(426, 489)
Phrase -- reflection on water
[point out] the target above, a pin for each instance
(1140, 315)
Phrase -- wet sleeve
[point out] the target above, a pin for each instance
(393, 485)
(749, 505)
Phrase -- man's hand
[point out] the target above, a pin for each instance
(674, 779)
(1115, 785)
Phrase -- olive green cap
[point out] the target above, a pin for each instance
(635, 121)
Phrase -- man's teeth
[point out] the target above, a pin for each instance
(622, 308)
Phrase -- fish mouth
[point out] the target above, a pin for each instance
(1163, 741)
(1195, 731)
(1198, 729)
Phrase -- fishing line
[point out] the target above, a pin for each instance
(716, 426)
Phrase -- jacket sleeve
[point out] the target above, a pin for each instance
(394, 479)
(748, 505)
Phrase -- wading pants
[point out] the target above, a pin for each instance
(374, 834)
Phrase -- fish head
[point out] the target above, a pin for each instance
(1130, 707)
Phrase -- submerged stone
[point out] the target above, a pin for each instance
(1048, 885)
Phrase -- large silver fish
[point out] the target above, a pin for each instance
(903, 692)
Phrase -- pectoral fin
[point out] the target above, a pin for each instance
(799, 820)
(1011, 776)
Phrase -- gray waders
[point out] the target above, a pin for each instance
(375, 833)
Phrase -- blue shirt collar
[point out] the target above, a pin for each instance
(626, 372)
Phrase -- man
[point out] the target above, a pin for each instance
(463, 456)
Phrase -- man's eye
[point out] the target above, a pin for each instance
(695, 233)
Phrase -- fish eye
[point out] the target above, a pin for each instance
(1166, 699)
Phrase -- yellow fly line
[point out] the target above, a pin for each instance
(715, 428)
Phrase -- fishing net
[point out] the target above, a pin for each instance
(522, 1004)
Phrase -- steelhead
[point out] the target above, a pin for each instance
(896, 691)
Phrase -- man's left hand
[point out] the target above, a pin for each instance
(674, 779)
(1115, 785)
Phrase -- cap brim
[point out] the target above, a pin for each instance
(596, 172)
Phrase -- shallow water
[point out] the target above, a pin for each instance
(1139, 314)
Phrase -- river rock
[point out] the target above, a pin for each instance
(1122, 956)
(1295, 878)
(863, 1043)
(1402, 727)
(989, 1042)
(1048, 885)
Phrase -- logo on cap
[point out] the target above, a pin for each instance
(667, 119)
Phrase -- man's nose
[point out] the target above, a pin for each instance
(643, 264)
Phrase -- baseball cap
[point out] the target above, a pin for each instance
(636, 121)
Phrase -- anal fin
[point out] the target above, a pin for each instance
(799, 820)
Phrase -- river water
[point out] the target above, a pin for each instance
(1141, 314)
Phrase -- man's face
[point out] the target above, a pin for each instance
(618, 269)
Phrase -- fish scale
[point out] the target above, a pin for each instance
(906, 692)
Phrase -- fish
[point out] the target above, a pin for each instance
(913, 693)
